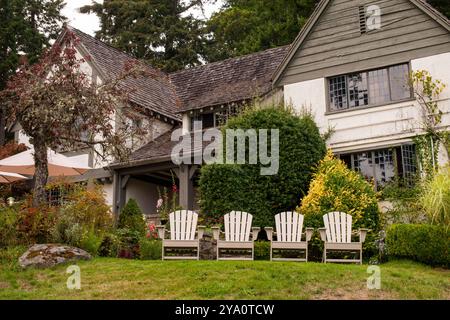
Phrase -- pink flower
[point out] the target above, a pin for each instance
(159, 203)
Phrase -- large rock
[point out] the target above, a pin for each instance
(49, 255)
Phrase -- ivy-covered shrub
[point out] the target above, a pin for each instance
(335, 187)
(420, 242)
(131, 218)
(227, 187)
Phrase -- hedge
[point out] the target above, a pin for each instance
(227, 187)
(420, 242)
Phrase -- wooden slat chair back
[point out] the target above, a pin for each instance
(337, 236)
(289, 226)
(238, 225)
(288, 233)
(183, 225)
(238, 228)
(338, 227)
(183, 230)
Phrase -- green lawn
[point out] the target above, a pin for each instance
(106, 278)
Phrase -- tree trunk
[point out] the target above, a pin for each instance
(41, 173)
(2, 126)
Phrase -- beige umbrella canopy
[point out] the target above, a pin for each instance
(58, 164)
(8, 177)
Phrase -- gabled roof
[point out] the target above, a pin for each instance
(319, 10)
(154, 92)
(232, 80)
(227, 81)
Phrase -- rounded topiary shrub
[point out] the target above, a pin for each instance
(131, 218)
(335, 187)
(227, 187)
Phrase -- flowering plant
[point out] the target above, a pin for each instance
(167, 202)
(152, 234)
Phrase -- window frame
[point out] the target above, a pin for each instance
(370, 105)
(371, 153)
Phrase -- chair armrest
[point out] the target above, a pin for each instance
(269, 232)
(309, 232)
(161, 231)
(323, 234)
(201, 231)
(216, 232)
(362, 235)
(255, 231)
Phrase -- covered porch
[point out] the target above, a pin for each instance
(149, 169)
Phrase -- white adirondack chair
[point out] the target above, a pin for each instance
(183, 225)
(238, 225)
(337, 236)
(289, 227)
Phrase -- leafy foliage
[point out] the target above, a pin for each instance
(11, 148)
(427, 91)
(150, 249)
(160, 32)
(405, 207)
(84, 219)
(64, 109)
(424, 243)
(227, 187)
(337, 188)
(26, 28)
(8, 226)
(436, 198)
(131, 218)
(247, 26)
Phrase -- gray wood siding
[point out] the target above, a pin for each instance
(335, 44)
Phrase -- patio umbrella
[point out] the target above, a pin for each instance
(8, 177)
(58, 164)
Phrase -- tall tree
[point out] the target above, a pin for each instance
(26, 28)
(441, 5)
(57, 105)
(247, 26)
(162, 32)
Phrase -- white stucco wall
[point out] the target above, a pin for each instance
(108, 192)
(374, 127)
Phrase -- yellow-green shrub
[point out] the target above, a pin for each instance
(335, 187)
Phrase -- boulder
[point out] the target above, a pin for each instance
(49, 255)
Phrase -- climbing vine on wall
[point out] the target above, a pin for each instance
(427, 91)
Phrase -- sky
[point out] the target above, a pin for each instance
(89, 23)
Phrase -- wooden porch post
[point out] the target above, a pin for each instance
(119, 196)
(185, 174)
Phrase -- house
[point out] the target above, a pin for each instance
(349, 64)
(355, 79)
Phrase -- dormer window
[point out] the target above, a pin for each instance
(216, 118)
